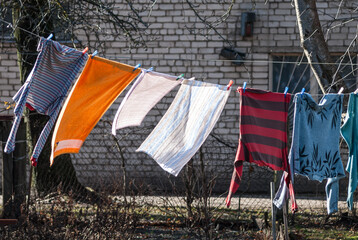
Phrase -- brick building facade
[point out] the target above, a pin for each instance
(175, 47)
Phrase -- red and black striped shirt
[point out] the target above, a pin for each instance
(263, 132)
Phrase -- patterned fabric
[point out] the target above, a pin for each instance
(263, 136)
(349, 132)
(315, 142)
(147, 91)
(56, 67)
(99, 85)
(185, 126)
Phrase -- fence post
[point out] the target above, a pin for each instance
(7, 172)
(273, 210)
(19, 169)
(285, 221)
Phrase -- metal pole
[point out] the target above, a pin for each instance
(273, 210)
(285, 221)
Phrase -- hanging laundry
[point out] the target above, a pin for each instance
(186, 125)
(100, 83)
(146, 92)
(56, 67)
(263, 136)
(315, 143)
(349, 132)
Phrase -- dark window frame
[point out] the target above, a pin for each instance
(312, 87)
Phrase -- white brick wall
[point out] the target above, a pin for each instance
(175, 50)
(9, 74)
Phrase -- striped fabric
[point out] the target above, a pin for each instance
(56, 67)
(185, 126)
(263, 137)
(147, 91)
(99, 85)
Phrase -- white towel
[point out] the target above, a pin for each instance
(148, 90)
(185, 126)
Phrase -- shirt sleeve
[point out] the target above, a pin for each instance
(46, 131)
(10, 144)
(19, 108)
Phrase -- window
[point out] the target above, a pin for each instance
(347, 71)
(287, 71)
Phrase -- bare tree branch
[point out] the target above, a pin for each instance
(314, 44)
(212, 25)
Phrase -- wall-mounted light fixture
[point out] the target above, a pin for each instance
(247, 23)
(232, 54)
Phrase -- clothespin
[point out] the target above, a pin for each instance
(94, 54)
(150, 69)
(303, 90)
(136, 67)
(341, 90)
(84, 51)
(286, 90)
(244, 87)
(356, 91)
(229, 85)
(50, 36)
(180, 76)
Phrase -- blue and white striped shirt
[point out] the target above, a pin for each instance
(56, 67)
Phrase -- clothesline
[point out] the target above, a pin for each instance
(9, 24)
(187, 122)
(222, 60)
(114, 57)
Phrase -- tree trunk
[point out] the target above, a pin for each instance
(62, 175)
(314, 44)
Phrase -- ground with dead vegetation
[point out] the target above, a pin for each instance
(61, 217)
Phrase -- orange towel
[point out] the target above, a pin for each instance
(100, 83)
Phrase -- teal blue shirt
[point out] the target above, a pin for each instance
(315, 142)
(349, 132)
